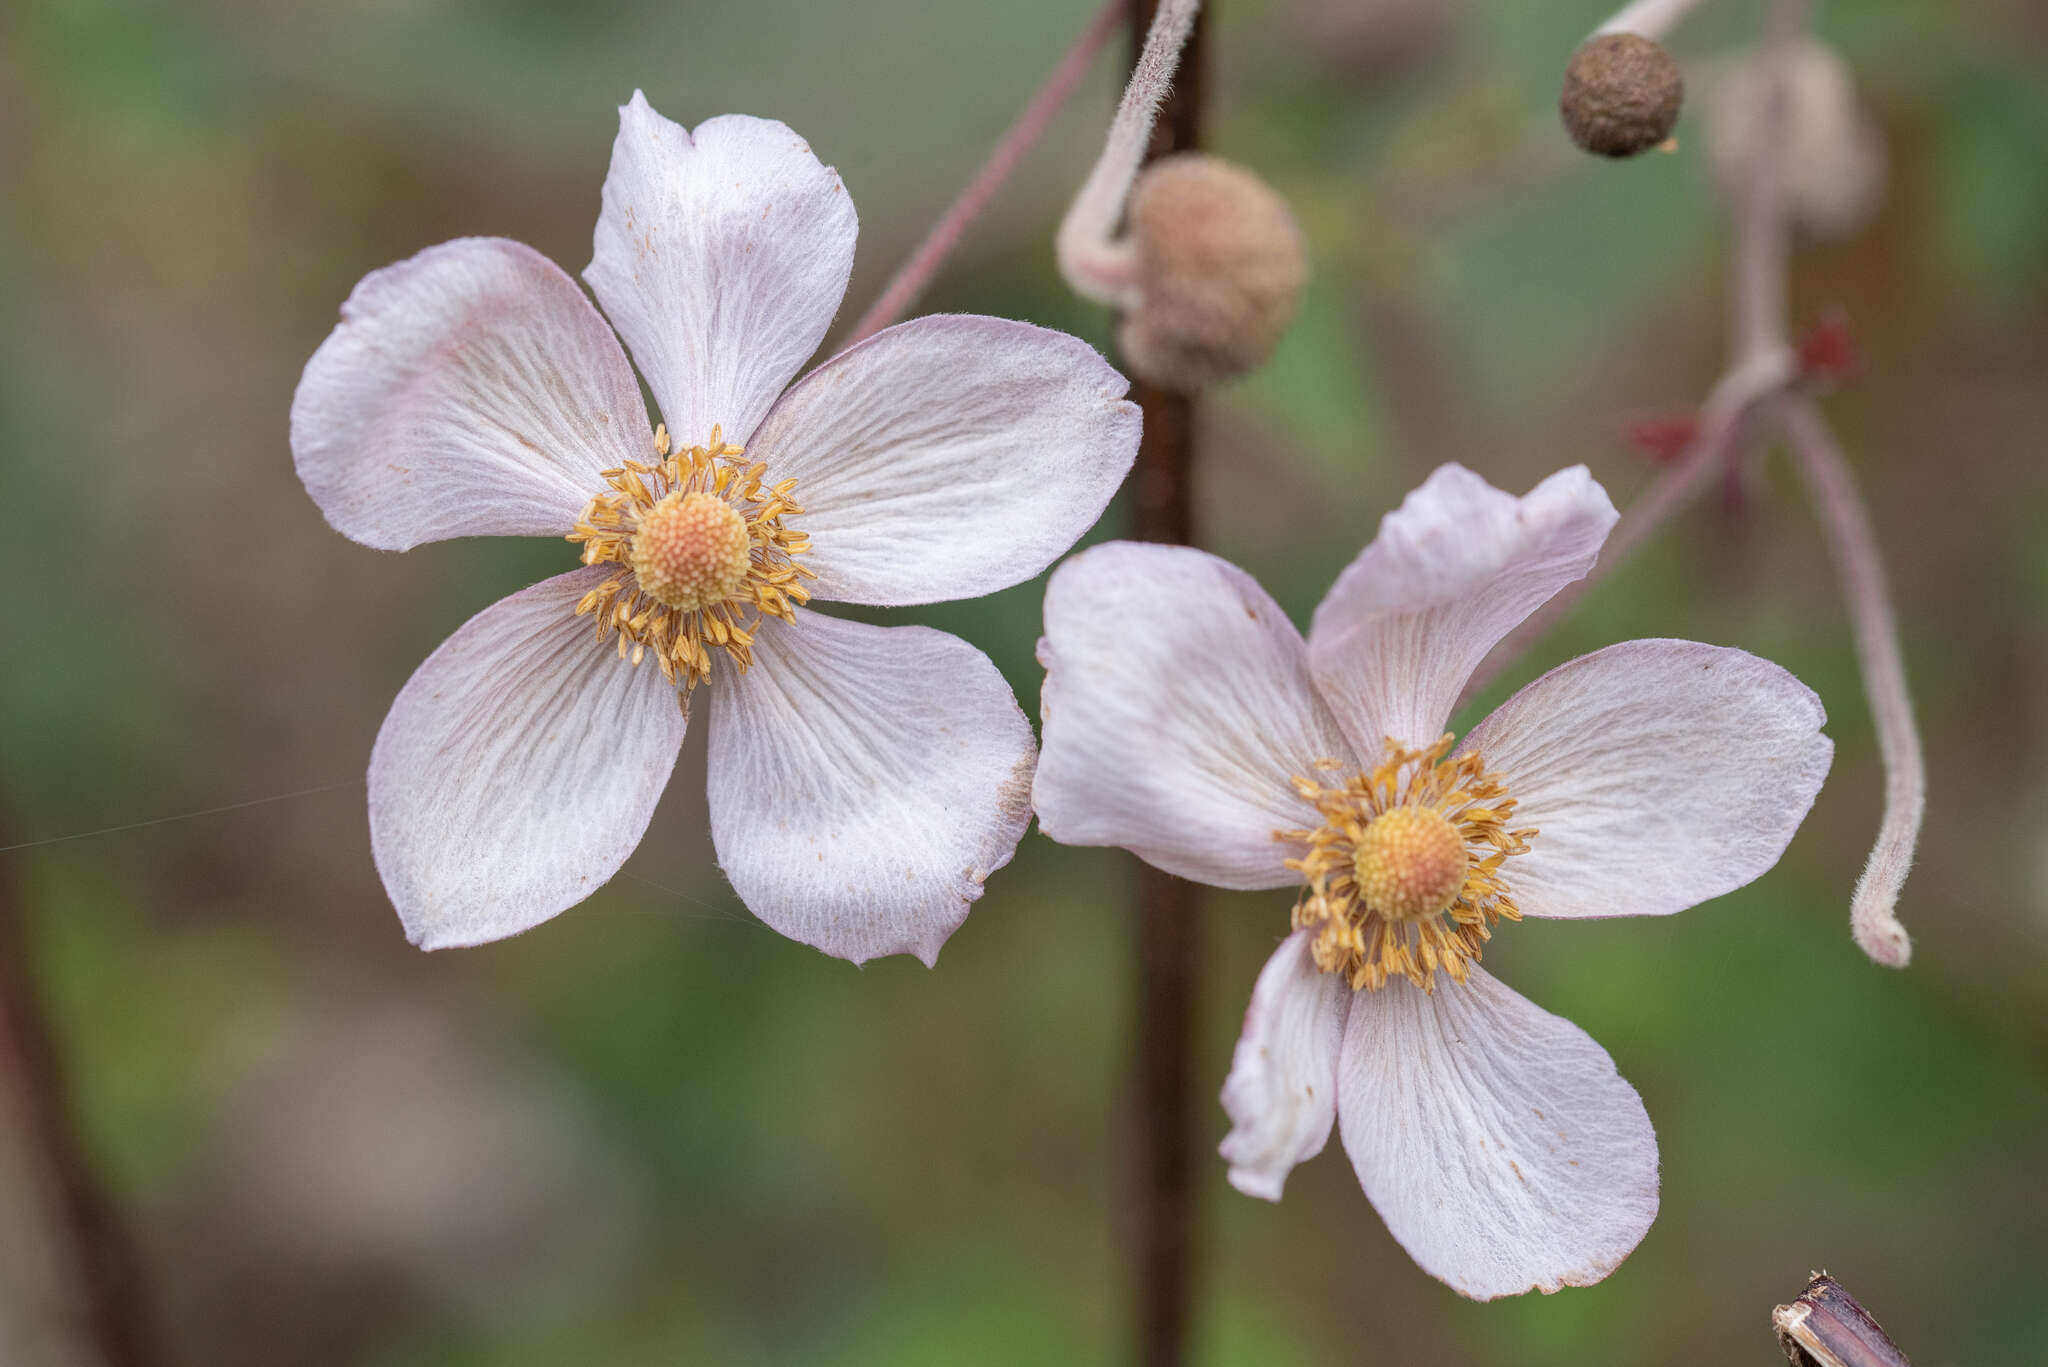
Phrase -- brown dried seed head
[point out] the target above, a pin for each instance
(1621, 95)
(1221, 264)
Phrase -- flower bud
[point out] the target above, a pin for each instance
(1621, 95)
(1832, 157)
(1220, 265)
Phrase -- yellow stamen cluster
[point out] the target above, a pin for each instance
(702, 553)
(1404, 875)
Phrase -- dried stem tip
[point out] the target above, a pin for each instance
(1621, 95)
(1220, 266)
(1826, 1327)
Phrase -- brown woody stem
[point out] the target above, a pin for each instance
(105, 1268)
(1169, 942)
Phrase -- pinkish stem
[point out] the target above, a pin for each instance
(1853, 545)
(1727, 420)
(1030, 126)
(1762, 242)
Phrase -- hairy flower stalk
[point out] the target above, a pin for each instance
(1209, 265)
(1873, 918)
(1094, 261)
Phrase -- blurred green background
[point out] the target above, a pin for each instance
(652, 1132)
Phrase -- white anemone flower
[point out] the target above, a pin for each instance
(1188, 721)
(864, 780)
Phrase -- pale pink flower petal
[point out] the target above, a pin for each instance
(1456, 567)
(1281, 1094)
(721, 256)
(1177, 706)
(469, 390)
(949, 457)
(865, 781)
(1659, 773)
(517, 769)
(1495, 1139)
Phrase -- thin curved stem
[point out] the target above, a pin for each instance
(917, 272)
(1094, 262)
(1844, 520)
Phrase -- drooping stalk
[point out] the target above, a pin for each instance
(1845, 522)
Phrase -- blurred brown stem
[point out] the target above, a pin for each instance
(105, 1267)
(1169, 943)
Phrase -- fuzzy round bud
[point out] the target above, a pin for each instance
(1220, 266)
(1621, 96)
(1831, 154)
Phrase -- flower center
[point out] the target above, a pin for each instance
(1409, 863)
(1404, 875)
(692, 550)
(702, 552)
